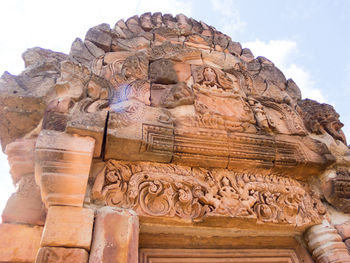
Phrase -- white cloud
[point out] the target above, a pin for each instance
(281, 53)
(230, 20)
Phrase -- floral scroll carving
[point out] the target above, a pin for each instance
(194, 193)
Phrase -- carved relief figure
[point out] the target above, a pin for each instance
(260, 115)
(217, 94)
(135, 67)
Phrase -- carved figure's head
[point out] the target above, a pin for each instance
(209, 75)
(135, 67)
(320, 118)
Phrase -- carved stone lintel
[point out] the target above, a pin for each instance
(194, 193)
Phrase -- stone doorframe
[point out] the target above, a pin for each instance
(72, 229)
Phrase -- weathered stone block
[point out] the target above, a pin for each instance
(234, 48)
(55, 121)
(247, 55)
(20, 154)
(146, 22)
(162, 72)
(326, 245)
(19, 243)
(133, 25)
(344, 230)
(171, 96)
(22, 101)
(335, 187)
(293, 90)
(80, 52)
(347, 243)
(100, 36)
(183, 71)
(138, 132)
(176, 52)
(62, 167)
(115, 237)
(133, 44)
(68, 227)
(91, 124)
(61, 255)
(341, 256)
(25, 205)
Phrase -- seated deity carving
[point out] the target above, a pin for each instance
(218, 94)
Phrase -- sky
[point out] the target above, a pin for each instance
(308, 40)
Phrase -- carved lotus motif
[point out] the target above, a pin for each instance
(155, 198)
(264, 212)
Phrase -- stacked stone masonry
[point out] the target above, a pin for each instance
(160, 137)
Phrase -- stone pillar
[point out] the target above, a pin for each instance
(62, 165)
(24, 213)
(326, 245)
(115, 237)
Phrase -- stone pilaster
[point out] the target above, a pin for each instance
(62, 166)
(24, 213)
(115, 238)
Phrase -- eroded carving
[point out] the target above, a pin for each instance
(194, 193)
(320, 118)
(337, 189)
(217, 96)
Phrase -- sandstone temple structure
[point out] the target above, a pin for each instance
(162, 140)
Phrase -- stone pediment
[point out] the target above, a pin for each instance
(168, 120)
(159, 93)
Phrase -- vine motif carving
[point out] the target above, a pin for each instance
(193, 193)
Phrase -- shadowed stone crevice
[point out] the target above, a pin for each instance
(104, 137)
